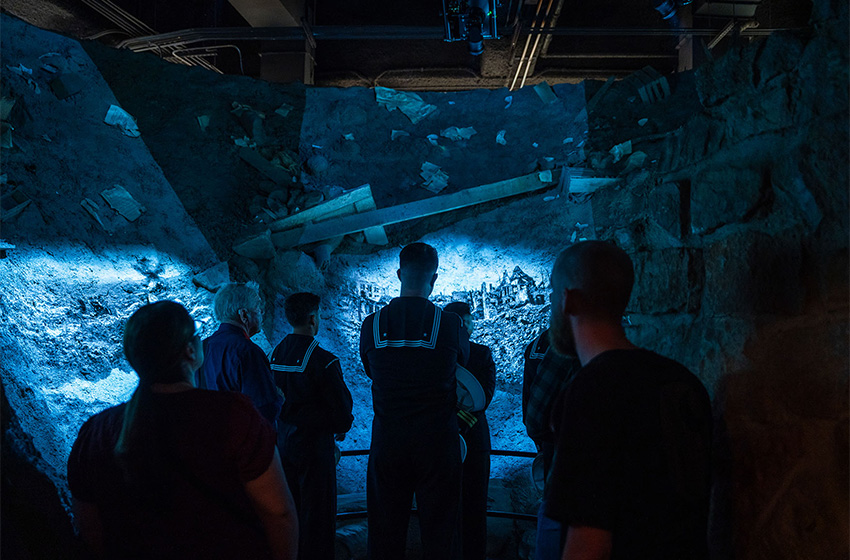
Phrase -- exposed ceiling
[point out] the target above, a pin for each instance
(400, 44)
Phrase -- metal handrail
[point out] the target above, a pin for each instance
(498, 452)
(348, 515)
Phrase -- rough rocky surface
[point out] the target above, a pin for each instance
(737, 222)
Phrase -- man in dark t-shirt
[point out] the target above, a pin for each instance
(410, 350)
(317, 406)
(631, 473)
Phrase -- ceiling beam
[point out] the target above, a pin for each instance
(270, 13)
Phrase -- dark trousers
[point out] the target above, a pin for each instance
(476, 480)
(310, 469)
(404, 461)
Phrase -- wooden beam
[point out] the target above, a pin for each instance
(264, 166)
(436, 205)
(330, 209)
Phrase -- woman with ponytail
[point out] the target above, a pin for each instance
(179, 472)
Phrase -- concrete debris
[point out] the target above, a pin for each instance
(544, 91)
(332, 191)
(261, 164)
(288, 160)
(203, 122)
(654, 87)
(435, 178)
(293, 271)
(348, 136)
(621, 150)
(636, 160)
(213, 278)
(398, 134)
(251, 121)
(642, 122)
(13, 203)
(258, 247)
(454, 133)
(545, 163)
(50, 68)
(284, 110)
(500, 138)
(26, 74)
(432, 138)
(277, 201)
(66, 86)
(93, 209)
(118, 117)
(244, 142)
(311, 199)
(509, 99)
(6, 135)
(123, 202)
(318, 164)
(6, 106)
(408, 103)
(535, 145)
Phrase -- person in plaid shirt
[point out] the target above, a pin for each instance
(545, 388)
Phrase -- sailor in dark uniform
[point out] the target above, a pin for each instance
(317, 406)
(476, 466)
(410, 349)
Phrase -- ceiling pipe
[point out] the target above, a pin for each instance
(330, 33)
(536, 42)
(527, 42)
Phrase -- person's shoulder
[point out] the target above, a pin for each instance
(324, 357)
(452, 319)
(481, 349)
(222, 401)
(616, 366)
(104, 418)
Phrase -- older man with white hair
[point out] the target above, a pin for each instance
(232, 362)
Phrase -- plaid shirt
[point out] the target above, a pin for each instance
(554, 374)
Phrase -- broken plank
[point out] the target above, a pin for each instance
(588, 108)
(330, 209)
(438, 205)
(264, 166)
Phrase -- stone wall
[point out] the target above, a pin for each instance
(738, 230)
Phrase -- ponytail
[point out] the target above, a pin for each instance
(155, 338)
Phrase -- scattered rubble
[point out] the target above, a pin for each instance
(213, 278)
(435, 179)
(123, 202)
(118, 117)
(408, 103)
(454, 133)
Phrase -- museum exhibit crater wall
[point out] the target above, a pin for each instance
(732, 203)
